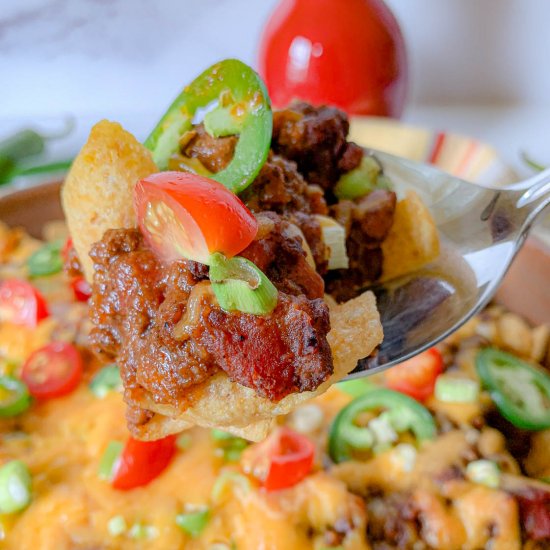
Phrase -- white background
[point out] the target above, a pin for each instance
(480, 67)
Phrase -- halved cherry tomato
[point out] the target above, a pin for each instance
(53, 370)
(284, 459)
(81, 289)
(142, 461)
(416, 377)
(21, 303)
(183, 215)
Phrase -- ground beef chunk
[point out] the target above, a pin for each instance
(138, 301)
(315, 138)
(214, 153)
(368, 221)
(279, 187)
(279, 254)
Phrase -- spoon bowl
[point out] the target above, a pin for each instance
(481, 230)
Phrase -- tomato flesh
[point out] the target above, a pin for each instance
(53, 370)
(143, 461)
(21, 303)
(416, 377)
(284, 459)
(183, 215)
(81, 289)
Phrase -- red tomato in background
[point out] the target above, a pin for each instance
(347, 53)
(184, 215)
(282, 460)
(416, 377)
(143, 461)
(53, 370)
(21, 303)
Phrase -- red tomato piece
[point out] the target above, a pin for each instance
(535, 515)
(352, 57)
(416, 377)
(66, 250)
(81, 289)
(21, 303)
(183, 215)
(143, 461)
(284, 459)
(53, 370)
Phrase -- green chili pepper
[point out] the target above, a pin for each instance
(193, 523)
(243, 109)
(402, 412)
(520, 391)
(52, 167)
(239, 285)
(362, 180)
(14, 396)
(105, 381)
(46, 260)
(15, 487)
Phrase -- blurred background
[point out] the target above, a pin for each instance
(478, 68)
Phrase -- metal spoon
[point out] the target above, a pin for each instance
(481, 230)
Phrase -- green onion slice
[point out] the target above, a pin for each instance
(452, 389)
(193, 523)
(15, 487)
(14, 396)
(109, 460)
(239, 285)
(105, 381)
(362, 180)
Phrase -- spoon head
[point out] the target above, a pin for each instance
(478, 240)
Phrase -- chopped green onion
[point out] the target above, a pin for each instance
(193, 523)
(109, 460)
(224, 481)
(382, 429)
(239, 285)
(46, 260)
(15, 487)
(362, 180)
(105, 381)
(356, 387)
(451, 389)
(140, 531)
(334, 237)
(116, 526)
(484, 472)
(404, 454)
(14, 396)
(230, 447)
(184, 441)
(220, 435)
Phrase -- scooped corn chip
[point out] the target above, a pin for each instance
(97, 194)
(413, 240)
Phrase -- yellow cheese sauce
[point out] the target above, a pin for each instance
(347, 506)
